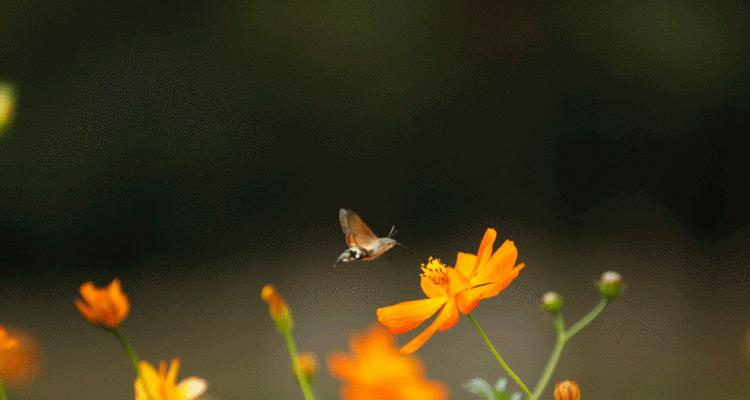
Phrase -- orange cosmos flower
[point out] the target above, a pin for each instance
(106, 307)
(162, 385)
(453, 290)
(19, 359)
(377, 371)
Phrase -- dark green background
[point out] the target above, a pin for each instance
(200, 149)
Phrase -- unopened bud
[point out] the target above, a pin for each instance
(307, 364)
(277, 308)
(552, 302)
(7, 105)
(610, 285)
(567, 390)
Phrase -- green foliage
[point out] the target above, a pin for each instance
(483, 389)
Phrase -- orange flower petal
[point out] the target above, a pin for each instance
(408, 315)
(451, 311)
(465, 263)
(430, 288)
(485, 248)
(446, 317)
(469, 299)
(457, 282)
(495, 288)
(498, 265)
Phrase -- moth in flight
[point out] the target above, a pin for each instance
(363, 243)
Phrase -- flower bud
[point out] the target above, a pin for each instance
(106, 307)
(552, 302)
(567, 390)
(610, 285)
(7, 105)
(307, 364)
(278, 309)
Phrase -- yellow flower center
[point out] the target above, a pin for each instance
(435, 271)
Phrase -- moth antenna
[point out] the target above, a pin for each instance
(392, 232)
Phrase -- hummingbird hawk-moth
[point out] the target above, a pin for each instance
(363, 243)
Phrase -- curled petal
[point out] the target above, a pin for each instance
(485, 248)
(447, 318)
(408, 315)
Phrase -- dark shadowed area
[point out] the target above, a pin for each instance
(200, 149)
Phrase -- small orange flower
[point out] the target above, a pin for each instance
(277, 308)
(453, 290)
(162, 385)
(19, 359)
(106, 307)
(377, 371)
(308, 365)
(567, 390)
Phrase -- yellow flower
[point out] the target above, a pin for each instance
(451, 291)
(19, 359)
(277, 308)
(162, 385)
(567, 390)
(377, 371)
(106, 307)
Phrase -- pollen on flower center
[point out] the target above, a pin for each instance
(435, 271)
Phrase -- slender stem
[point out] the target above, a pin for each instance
(128, 349)
(563, 337)
(553, 359)
(499, 359)
(133, 359)
(2, 392)
(587, 318)
(304, 383)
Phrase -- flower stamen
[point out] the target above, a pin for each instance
(435, 271)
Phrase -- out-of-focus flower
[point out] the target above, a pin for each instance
(106, 307)
(552, 302)
(453, 290)
(610, 285)
(308, 365)
(19, 358)
(376, 370)
(7, 105)
(567, 390)
(163, 385)
(277, 308)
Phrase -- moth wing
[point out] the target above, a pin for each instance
(356, 231)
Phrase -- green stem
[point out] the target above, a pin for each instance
(304, 383)
(563, 337)
(499, 359)
(2, 392)
(553, 359)
(128, 349)
(587, 318)
(133, 359)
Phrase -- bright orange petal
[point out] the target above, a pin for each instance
(86, 311)
(445, 317)
(498, 265)
(469, 299)
(485, 248)
(431, 289)
(451, 311)
(341, 365)
(89, 292)
(495, 288)
(465, 263)
(408, 315)
(457, 282)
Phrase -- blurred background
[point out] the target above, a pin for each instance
(200, 149)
